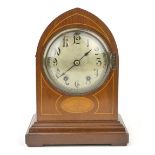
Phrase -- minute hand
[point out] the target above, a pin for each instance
(85, 55)
(66, 71)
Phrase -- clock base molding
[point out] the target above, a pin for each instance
(112, 132)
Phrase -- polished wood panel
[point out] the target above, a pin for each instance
(77, 133)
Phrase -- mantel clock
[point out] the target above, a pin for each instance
(76, 84)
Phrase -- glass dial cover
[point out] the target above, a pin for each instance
(76, 61)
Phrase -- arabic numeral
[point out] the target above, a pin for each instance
(65, 41)
(96, 72)
(77, 38)
(87, 42)
(77, 84)
(57, 73)
(55, 62)
(66, 79)
(88, 79)
(58, 51)
(49, 61)
(98, 61)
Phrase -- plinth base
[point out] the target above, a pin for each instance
(77, 133)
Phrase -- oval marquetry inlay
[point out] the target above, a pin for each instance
(77, 105)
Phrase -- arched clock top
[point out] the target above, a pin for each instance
(76, 18)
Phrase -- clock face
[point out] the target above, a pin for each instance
(76, 61)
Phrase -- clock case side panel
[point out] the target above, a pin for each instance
(75, 18)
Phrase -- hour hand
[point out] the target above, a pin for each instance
(85, 54)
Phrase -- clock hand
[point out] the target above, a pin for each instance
(75, 63)
(67, 70)
(85, 54)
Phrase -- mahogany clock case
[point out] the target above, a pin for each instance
(58, 121)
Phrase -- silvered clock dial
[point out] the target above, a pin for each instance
(76, 61)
